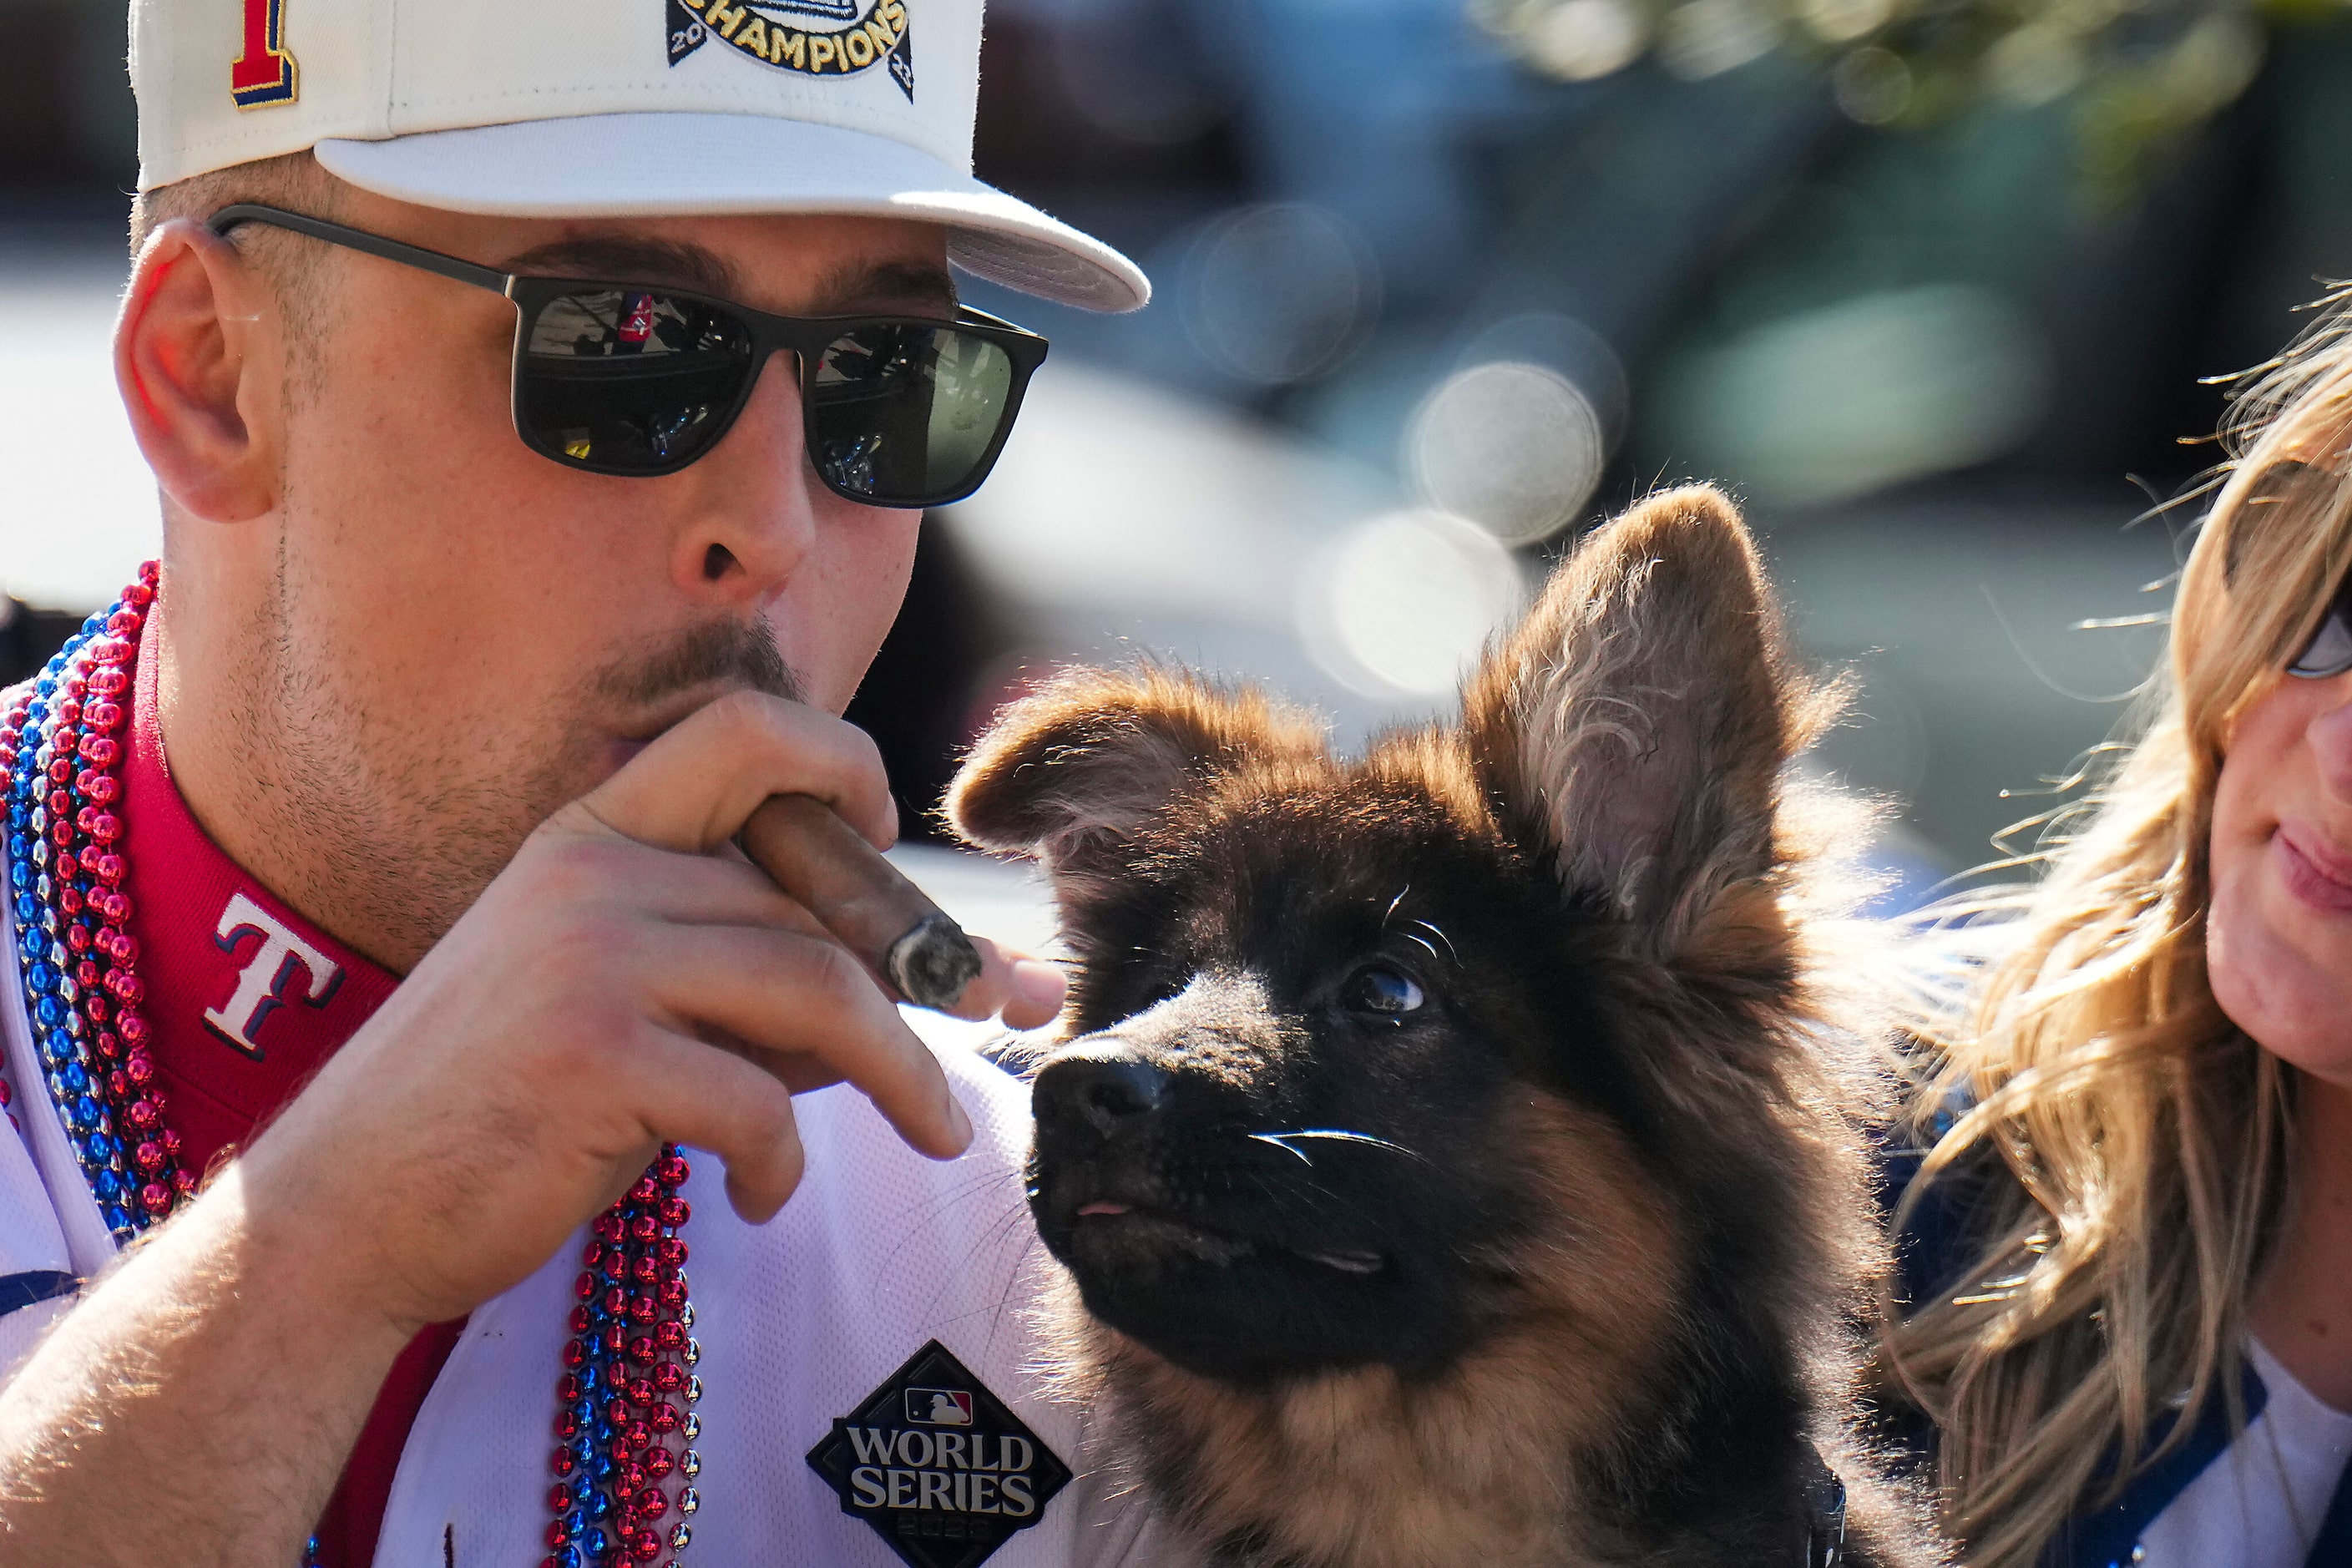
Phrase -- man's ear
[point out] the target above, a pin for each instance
(199, 357)
(1076, 771)
(1635, 725)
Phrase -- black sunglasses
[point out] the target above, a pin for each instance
(2329, 654)
(641, 380)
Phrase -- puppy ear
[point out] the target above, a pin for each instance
(1636, 724)
(1074, 772)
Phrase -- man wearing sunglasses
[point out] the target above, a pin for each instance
(400, 1063)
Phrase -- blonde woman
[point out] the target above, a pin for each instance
(2136, 1344)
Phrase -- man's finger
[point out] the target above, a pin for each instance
(1039, 988)
(712, 890)
(1026, 990)
(687, 889)
(692, 788)
(709, 1099)
(809, 998)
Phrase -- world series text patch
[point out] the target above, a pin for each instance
(938, 1466)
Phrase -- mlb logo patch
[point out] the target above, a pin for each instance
(939, 1406)
(937, 1466)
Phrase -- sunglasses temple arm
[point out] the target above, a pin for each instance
(450, 266)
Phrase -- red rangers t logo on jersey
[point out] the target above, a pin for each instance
(282, 968)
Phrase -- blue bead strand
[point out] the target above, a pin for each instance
(61, 909)
(626, 1464)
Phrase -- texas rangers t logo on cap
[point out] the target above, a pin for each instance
(263, 73)
(611, 110)
(815, 37)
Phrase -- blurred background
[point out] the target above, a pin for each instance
(1936, 286)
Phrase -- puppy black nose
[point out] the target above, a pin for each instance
(1107, 1094)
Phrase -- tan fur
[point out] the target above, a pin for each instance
(1639, 724)
(1120, 747)
(1609, 696)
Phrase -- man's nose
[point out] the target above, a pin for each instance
(1101, 1092)
(754, 515)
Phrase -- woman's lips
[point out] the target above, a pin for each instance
(2314, 871)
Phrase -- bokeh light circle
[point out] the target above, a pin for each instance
(1406, 602)
(1516, 448)
(1581, 40)
(1279, 293)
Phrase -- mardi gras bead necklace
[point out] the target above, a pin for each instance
(82, 990)
(623, 1464)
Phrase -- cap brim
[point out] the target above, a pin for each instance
(660, 164)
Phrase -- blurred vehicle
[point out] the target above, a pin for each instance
(1949, 369)
(1424, 312)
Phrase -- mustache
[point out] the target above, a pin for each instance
(716, 653)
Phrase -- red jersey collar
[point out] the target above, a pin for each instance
(244, 1000)
(245, 997)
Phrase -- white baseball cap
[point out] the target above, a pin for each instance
(612, 109)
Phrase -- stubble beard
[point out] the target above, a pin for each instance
(400, 826)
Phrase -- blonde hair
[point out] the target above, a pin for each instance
(2135, 1140)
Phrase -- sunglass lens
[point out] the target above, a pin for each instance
(2329, 652)
(628, 380)
(907, 415)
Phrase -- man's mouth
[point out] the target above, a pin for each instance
(2316, 871)
(632, 738)
(659, 719)
(1124, 1222)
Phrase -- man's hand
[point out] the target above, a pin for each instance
(623, 983)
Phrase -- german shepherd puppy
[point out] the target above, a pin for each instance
(1455, 1150)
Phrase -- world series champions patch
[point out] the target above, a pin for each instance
(937, 1465)
(814, 38)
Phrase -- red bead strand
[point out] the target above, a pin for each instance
(624, 1426)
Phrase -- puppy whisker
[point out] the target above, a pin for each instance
(1282, 1142)
(1441, 936)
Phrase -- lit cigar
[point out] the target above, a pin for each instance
(862, 899)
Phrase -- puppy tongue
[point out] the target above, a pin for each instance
(1102, 1208)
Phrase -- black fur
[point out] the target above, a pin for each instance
(1480, 1089)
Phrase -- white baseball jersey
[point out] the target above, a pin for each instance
(803, 1322)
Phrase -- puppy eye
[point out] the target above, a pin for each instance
(1383, 991)
(2329, 652)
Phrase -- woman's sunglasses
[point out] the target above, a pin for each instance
(2329, 652)
(641, 380)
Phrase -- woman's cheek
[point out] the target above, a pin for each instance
(2235, 939)
(2280, 971)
